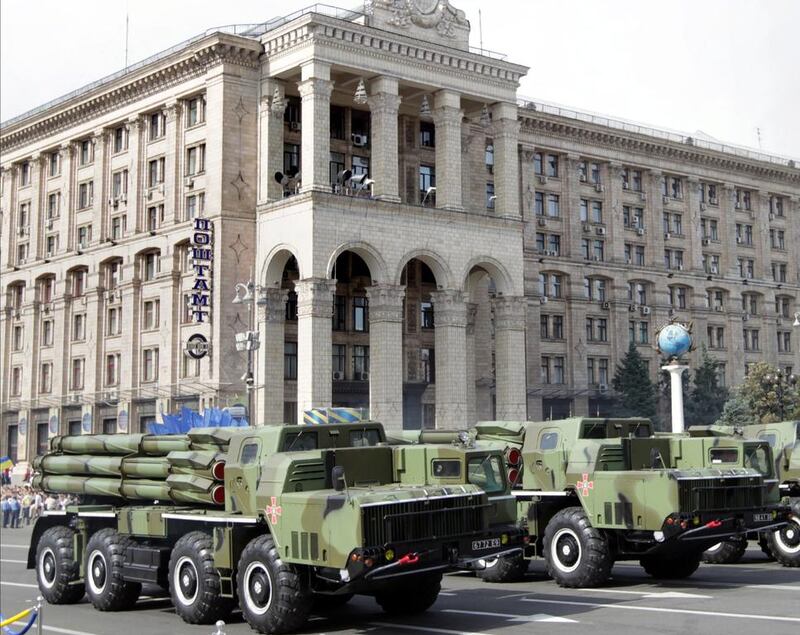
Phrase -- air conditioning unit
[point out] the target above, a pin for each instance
(363, 376)
(706, 241)
(24, 231)
(602, 387)
(640, 231)
(551, 252)
(631, 308)
(643, 196)
(605, 306)
(47, 307)
(645, 310)
(189, 182)
(739, 240)
(359, 140)
(737, 205)
(702, 207)
(628, 261)
(667, 235)
(625, 185)
(665, 199)
(583, 178)
(745, 317)
(338, 375)
(719, 308)
(587, 227)
(74, 398)
(84, 299)
(601, 231)
(149, 195)
(713, 201)
(49, 223)
(294, 125)
(542, 179)
(111, 396)
(541, 222)
(598, 187)
(771, 216)
(714, 270)
(543, 299)
(111, 296)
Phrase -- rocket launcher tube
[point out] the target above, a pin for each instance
(104, 444)
(132, 489)
(84, 464)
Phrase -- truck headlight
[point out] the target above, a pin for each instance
(659, 536)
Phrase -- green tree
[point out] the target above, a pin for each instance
(636, 394)
(769, 394)
(736, 411)
(707, 398)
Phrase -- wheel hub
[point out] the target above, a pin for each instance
(568, 550)
(49, 567)
(258, 588)
(188, 581)
(99, 572)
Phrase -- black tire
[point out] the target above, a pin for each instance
(326, 603)
(784, 544)
(763, 542)
(671, 567)
(726, 552)
(194, 583)
(509, 569)
(57, 571)
(411, 596)
(576, 554)
(105, 585)
(273, 595)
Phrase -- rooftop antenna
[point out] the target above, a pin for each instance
(758, 134)
(480, 30)
(126, 35)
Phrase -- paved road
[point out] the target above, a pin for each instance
(752, 597)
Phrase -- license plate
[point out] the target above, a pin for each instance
(479, 545)
(762, 518)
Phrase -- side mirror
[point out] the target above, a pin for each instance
(338, 478)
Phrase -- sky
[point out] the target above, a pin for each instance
(727, 68)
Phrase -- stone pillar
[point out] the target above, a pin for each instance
(472, 413)
(447, 116)
(384, 105)
(270, 147)
(654, 222)
(37, 180)
(450, 315)
(100, 185)
(509, 316)
(505, 136)
(693, 243)
(314, 344)
(269, 408)
(172, 162)
(727, 232)
(315, 151)
(136, 146)
(386, 354)
(67, 229)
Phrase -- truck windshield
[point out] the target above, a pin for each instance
(365, 437)
(486, 473)
(723, 455)
(758, 458)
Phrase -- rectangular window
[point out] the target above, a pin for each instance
(86, 152)
(290, 360)
(338, 116)
(360, 362)
(597, 212)
(339, 313)
(86, 195)
(291, 158)
(553, 208)
(538, 204)
(427, 364)
(195, 205)
(46, 377)
(84, 236)
(196, 159)
(336, 165)
(157, 126)
(53, 206)
(16, 381)
(426, 315)
(552, 165)
(427, 134)
(47, 332)
(120, 139)
(784, 341)
(18, 338)
(79, 327)
(155, 172)
(584, 210)
(190, 367)
(490, 197)
(76, 376)
(427, 180)
(113, 321)
(152, 266)
(195, 111)
(112, 369)
(118, 225)
(150, 364)
(24, 174)
(150, 314)
(538, 166)
(360, 314)
(339, 360)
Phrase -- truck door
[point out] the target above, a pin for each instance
(549, 464)
(245, 475)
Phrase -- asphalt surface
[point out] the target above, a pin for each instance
(753, 597)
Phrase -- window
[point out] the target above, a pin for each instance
(84, 236)
(744, 234)
(22, 254)
(746, 267)
(112, 369)
(715, 299)
(360, 314)
(751, 339)
(113, 321)
(51, 245)
(538, 165)
(782, 306)
(16, 381)
(633, 217)
(596, 329)
(741, 199)
(335, 166)
(118, 226)
(360, 165)
(360, 362)
(339, 359)
(487, 475)
(550, 285)
(76, 374)
(339, 313)
(24, 174)
(152, 265)
(78, 327)
(750, 303)
(776, 206)
(779, 271)
(552, 370)
(157, 126)
(46, 377)
(196, 159)
(338, 118)
(551, 327)
(291, 158)
(552, 165)
(427, 364)
(24, 216)
(637, 293)
(709, 229)
(708, 193)
(119, 184)
(86, 151)
(86, 195)
(711, 263)
(677, 297)
(777, 239)
(150, 314)
(598, 249)
(291, 306)
(784, 341)
(538, 204)
(638, 332)
(553, 208)
(594, 289)
(290, 360)
(490, 197)
(597, 370)
(195, 111)
(716, 336)
(54, 164)
(186, 309)
(488, 156)
(636, 180)
(426, 315)
(47, 332)
(190, 367)
(597, 212)
(120, 139)
(18, 338)
(195, 206)
(427, 179)
(155, 172)
(150, 364)
(155, 215)
(427, 134)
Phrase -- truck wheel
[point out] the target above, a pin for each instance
(726, 552)
(57, 571)
(105, 586)
(272, 595)
(671, 568)
(194, 581)
(412, 596)
(509, 569)
(576, 554)
(785, 543)
(763, 542)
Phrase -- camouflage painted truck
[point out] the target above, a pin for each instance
(595, 491)
(783, 544)
(279, 517)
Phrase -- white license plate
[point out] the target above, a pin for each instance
(762, 518)
(478, 545)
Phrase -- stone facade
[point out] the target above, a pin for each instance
(495, 262)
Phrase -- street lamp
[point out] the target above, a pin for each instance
(781, 384)
(248, 340)
(796, 319)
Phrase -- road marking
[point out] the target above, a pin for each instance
(27, 586)
(447, 593)
(514, 595)
(425, 629)
(539, 617)
(10, 546)
(776, 587)
(658, 609)
(655, 594)
(56, 629)
(13, 561)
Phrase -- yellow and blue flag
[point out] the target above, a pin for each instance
(5, 463)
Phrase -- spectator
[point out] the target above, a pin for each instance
(6, 511)
(15, 509)
(27, 503)
(38, 505)
(51, 504)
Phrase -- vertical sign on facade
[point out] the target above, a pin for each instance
(202, 254)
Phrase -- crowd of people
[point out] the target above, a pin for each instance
(23, 504)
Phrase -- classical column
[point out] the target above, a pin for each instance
(505, 137)
(655, 225)
(447, 116)
(314, 345)
(384, 105)
(472, 311)
(36, 215)
(509, 319)
(693, 252)
(727, 232)
(100, 185)
(67, 228)
(270, 357)
(270, 147)
(386, 354)
(450, 316)
(136, 216)
(315, 91)
(172, 162)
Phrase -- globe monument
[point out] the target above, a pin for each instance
(674, 340)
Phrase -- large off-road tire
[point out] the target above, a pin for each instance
(509, 569)
(726, 552)
(784, 544)
(671, 567)
(576, 554)
(105, 586)
(273, 595)
(763, 542)
(194, 583)
(326, 603)
(411, 596)
(57, 571)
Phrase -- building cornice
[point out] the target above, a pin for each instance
(193, 61)
(557, 127)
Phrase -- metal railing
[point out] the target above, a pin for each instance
(550, 108)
